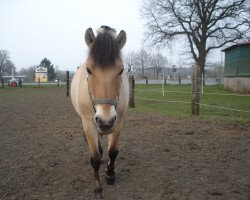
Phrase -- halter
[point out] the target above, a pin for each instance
(103, 101)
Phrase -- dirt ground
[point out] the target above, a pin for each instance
(44, 154)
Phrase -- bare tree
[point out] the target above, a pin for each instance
(215, 70)
(142, 60)
(248, 11)
(28, 72)
(205, 24)
(5, 64)
(159, 62)
(130, 60)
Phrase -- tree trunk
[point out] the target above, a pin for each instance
(196, 88)
(198, 69)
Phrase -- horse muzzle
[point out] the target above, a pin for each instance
(105, 126)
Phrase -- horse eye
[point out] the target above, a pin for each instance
(89, 71)
(121, 72)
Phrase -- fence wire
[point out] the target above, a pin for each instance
(185, 102)
(176, 91)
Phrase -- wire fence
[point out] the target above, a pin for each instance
(213, 105)
(176, 91)
(176, 81)
(202, 104)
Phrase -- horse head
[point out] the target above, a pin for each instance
(105, 68)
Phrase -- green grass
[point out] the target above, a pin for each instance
(176, 101)
(177, 98)
(27, 90)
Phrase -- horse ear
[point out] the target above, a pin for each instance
(89, 36)
(121, 39)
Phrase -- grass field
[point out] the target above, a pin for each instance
(177, 98)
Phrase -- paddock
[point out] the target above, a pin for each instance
(44, 154)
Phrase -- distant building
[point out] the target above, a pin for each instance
(237, 67)
(169, 73)
(41, 74)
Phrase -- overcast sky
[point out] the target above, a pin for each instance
(34, 29)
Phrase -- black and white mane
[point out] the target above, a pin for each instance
(105, 51)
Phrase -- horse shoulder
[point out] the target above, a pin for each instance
(79, 93)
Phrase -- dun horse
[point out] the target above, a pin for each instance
(99, 93)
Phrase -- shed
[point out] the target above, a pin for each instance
(41, 74)
(237, 67)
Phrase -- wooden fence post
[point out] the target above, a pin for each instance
(202, 83)
(20, 82)
(196, 85)
(2, 82)
(131, 92)
(67, 84)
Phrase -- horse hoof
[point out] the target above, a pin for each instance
(98, 193)
(98, 196)
(110, 177)
(102, 161)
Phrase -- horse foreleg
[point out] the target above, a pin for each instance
(100, 149)
(113, 152)
(95, 158)
(95, 161)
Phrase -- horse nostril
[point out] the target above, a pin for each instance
(100, 122)
(97, 119)
(112, 121)
(105, 125)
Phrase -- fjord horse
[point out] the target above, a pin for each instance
(99, 93)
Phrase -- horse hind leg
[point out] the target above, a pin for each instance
(113, 152)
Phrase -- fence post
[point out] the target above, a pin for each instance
(162, 87)
(67, 84)
(131, 92)
(196, 84)
(20, 82)
(2, 82)
(202, 83)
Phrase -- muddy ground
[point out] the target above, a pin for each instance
(44, 154)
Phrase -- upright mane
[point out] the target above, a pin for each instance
(105, 51)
